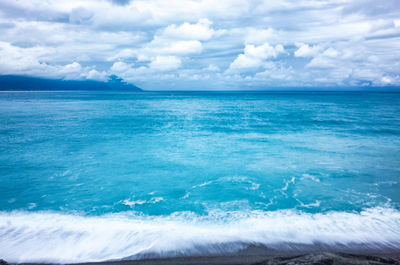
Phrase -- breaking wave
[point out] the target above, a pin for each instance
(55, 237)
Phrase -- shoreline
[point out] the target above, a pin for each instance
(295, 257)
(110, 241)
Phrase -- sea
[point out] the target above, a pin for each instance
(105, 175)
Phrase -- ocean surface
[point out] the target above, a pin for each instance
(90, 176)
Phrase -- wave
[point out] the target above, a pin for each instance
(130, 203)
(68, 238)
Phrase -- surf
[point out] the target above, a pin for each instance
(71, 238)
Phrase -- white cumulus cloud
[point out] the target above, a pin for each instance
(255, 56)
(306, 50)
(165, 63)
(204, 43)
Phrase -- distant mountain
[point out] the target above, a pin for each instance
(16, 82)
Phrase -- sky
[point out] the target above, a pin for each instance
(204, 44)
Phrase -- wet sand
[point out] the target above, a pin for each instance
(323, 258)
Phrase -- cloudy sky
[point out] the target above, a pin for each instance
(204, 44)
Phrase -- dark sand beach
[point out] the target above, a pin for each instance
(320, 258)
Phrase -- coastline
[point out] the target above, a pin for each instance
(106, 241)
(98, 197)
(320, 258)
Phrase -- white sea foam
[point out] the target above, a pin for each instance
(186, 195)
(317, 203)
(32, 205)
(156, 199)
(291, 181)
(313, 178)
(53, 237)
(202, 184)
(253, 185)
(130, 203)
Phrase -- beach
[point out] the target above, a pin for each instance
(318, 258)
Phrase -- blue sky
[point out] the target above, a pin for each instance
(204, 44)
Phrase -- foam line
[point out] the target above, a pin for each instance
(63, 238)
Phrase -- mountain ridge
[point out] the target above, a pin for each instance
(20, 82)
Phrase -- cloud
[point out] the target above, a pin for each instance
(203, 43)
(260, 36)
(186, 31)
(71, 71)
(178, 40)
(307, 51)
(166, 47)
(96, 75)
(120, 2)
(21, 60)
(120, 67)
(165, 63)
(331, 52)
(321, 62)
(373, 8)
(80, 15)
(255, 56)
(212, 68)
(30, 61)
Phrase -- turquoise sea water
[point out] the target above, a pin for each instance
(87, 176)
